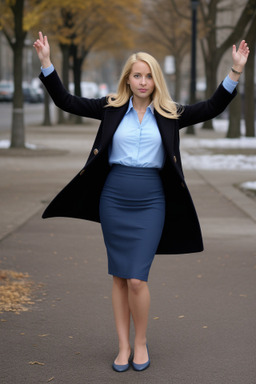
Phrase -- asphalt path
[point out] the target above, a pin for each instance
(33, 115)
(202, 322)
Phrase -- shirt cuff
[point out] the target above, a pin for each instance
(47, 71)
(229, 84)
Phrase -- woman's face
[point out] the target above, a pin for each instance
(141, 81)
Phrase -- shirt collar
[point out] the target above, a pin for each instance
(130, 106)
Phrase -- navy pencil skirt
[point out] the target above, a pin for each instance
(132, 214)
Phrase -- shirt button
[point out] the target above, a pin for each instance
(82, 172)
(95, 151)
(175, 159)
(183, 185)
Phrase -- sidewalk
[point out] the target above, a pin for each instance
(203, 314)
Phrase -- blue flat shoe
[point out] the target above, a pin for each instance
(124, 367)
(141, 367)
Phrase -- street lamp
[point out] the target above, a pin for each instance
(194, 4)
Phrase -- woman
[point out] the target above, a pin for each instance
(133, 182)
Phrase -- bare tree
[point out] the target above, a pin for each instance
(250, 90)
(16, 36)
(83, 27)
(167, 33)
(213, 48)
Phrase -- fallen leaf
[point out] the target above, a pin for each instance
(181, 317)
(36, 363)
(15, 291)
(51, 379)
(205, 326)
(156, 318)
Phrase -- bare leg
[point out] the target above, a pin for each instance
(139, 303)
(122, 318)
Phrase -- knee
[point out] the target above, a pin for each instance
(119, 282)
(135, 285)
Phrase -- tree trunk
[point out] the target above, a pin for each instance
(249, 99)
(211, 81)
(177, 80)
(65, 78)
(77, 72)
(18, 128)
(47, 116)
(234, 118)
(213, 52)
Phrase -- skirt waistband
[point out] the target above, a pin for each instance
(124, 169)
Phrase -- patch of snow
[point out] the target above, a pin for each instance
(242, 142)
(249, 185)
(6, 144)
(215, 162)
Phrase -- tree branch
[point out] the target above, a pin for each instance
(247, 15)
(177, 11)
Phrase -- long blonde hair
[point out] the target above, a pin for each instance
(161, 98)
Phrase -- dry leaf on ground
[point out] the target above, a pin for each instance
(15, 291)
(36, 363)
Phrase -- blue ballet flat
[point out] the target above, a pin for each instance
(124, 367)
(141, 367)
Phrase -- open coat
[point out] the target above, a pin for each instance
(80, 198)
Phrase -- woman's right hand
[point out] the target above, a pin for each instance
(42, 48)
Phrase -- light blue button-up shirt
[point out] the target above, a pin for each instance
(137, 144)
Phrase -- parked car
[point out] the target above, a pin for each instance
(6, 90)
(88, 89)
(103, 90)
(38, 87)
(29, 93)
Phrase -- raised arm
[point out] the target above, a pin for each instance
(42, 48)
(81, 106)
(208, 109)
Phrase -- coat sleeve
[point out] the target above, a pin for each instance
(92, 108)
(206, 110)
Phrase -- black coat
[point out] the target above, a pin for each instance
(80, 198)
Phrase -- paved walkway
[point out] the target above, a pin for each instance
(202, 324)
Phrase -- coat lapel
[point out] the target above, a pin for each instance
(112, 119)
(167, 130)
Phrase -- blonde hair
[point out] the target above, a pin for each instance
(161, 98)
